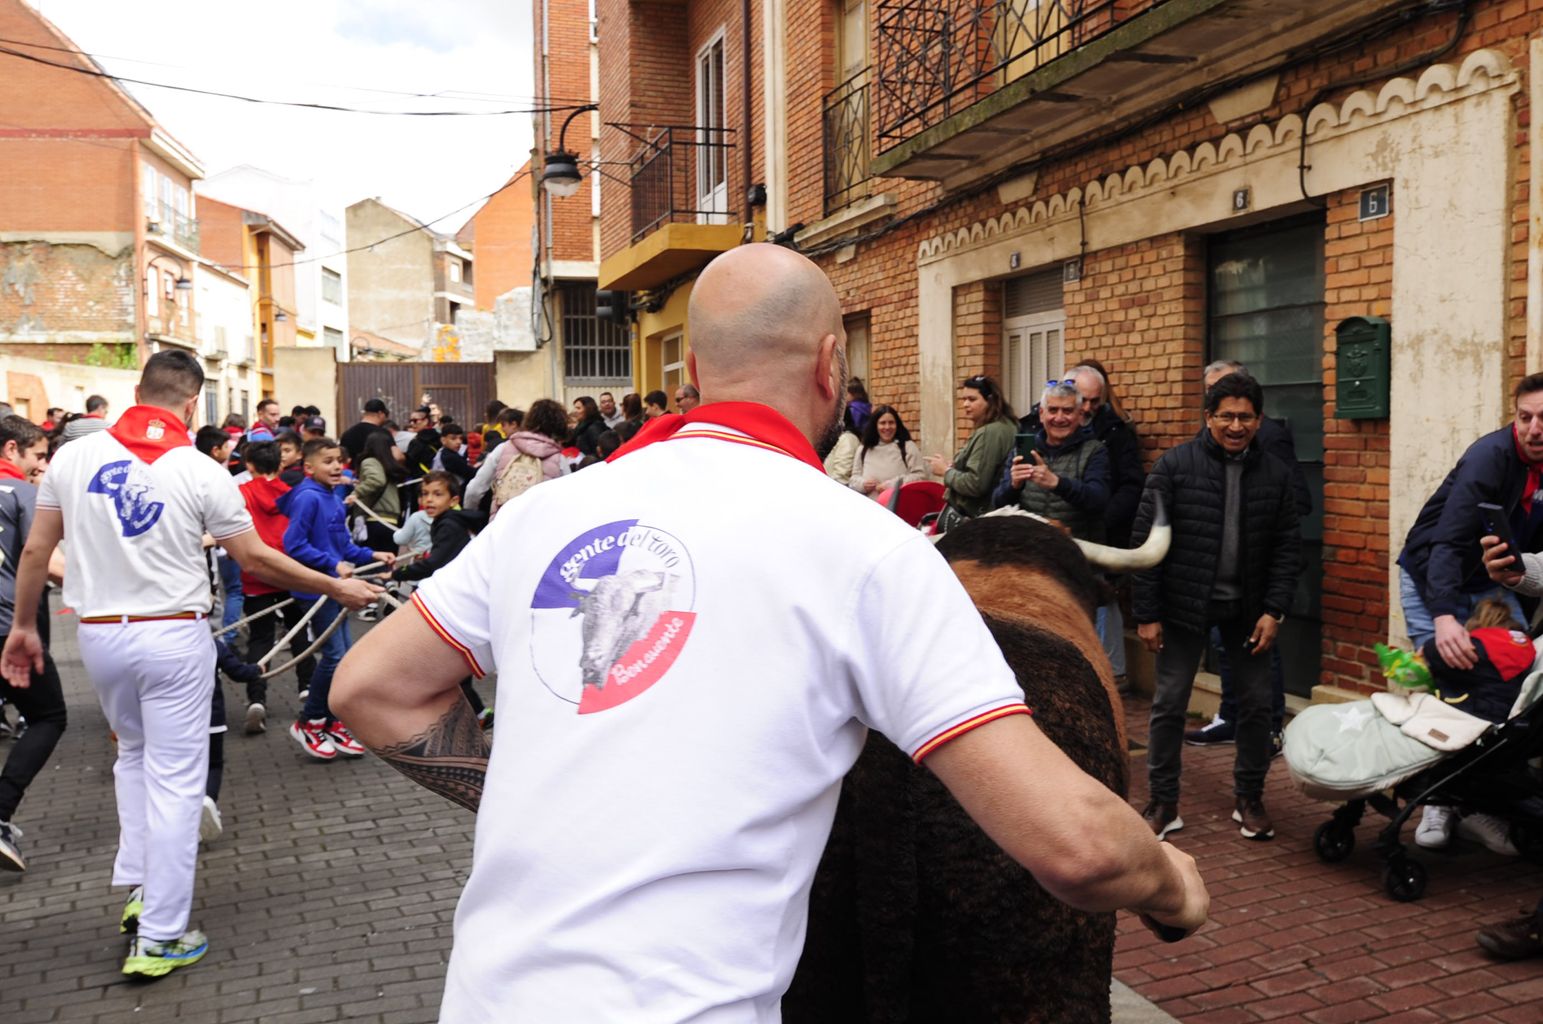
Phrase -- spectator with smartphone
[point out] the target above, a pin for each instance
(1061, 471)
(1441, 568)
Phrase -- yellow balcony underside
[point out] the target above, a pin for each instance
(672, 250)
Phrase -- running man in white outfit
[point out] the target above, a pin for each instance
(134, 501)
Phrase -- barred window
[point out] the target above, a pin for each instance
(593, 350)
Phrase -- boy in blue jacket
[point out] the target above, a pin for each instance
(317, 537)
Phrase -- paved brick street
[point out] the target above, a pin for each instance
(1293, 939)
(329, 897)
(331, 893)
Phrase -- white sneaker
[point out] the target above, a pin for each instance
(1435, 829)
(1493, 832)
(256, 719)
(209, 825)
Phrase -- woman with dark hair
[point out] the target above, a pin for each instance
(631, 416)
(857, 401)
(888, 455)
(379, 473)
(540, 435)
(838, 462)
(969, 480)
(590, 426)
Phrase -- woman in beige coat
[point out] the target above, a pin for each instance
(887, 455)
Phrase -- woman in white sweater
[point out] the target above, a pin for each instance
(887, 454)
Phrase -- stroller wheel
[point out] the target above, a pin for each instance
(1404, 879)
(1333, 841)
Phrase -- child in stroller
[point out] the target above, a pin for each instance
(1466, 745)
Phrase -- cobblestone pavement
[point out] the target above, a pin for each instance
(1293, 939)
(329, 896)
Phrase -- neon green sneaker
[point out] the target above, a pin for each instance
(128, 924)
(150, 959)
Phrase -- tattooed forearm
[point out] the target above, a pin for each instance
(450, 757)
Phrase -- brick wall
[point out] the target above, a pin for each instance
(565, 82)
(1358, 281)
(977, 339)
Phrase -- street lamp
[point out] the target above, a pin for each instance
(560, 170)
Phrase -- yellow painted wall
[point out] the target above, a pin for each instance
(650, 332)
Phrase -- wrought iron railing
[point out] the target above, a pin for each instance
(847, 131)
(936, 57)
(179, 226)
(679, 174)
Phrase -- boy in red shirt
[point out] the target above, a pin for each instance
(262, 494)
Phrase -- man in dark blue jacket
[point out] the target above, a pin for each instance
(1275, 438)
(1233, 564)
(317, 537)
(1441, 569)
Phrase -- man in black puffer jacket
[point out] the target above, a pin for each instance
(1233, 564)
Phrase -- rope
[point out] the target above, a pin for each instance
(254, 617)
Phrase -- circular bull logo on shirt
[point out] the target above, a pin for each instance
(611, 614)
(129, 488)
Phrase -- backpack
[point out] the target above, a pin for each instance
(514, 478)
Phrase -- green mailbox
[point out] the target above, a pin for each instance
(1363, 366)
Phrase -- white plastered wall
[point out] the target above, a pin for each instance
(1444, 140)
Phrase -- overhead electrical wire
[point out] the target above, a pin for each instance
(420, 226)
(300, 104)
(461, 94)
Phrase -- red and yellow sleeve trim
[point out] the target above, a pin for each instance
(954, 732)
(444, 634)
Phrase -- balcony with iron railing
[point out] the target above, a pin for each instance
(682, 214)
(966, 88)
(168, 222)
(679, 175)
(846, 133)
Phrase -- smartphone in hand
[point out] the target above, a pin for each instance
(1497, 524)
(1025, 447)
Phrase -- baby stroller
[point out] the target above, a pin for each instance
(1357, 753)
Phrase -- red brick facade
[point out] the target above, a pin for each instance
(1139, 307)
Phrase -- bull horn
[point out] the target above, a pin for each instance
(1153, 551)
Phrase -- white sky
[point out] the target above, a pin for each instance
(477, 54)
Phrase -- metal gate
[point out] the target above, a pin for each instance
(461, 390)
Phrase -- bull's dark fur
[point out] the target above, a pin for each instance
(916, 915)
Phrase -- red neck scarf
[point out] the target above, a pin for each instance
(150, 431)
(10, 471)
(764, 426)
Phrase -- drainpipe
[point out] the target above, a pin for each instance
(744, 81)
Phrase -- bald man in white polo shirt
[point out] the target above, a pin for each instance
(135, 501)
(692, 640)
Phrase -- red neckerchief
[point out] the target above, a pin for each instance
(150, 431)
(1534, 474)
(10, 471)
(764, 426)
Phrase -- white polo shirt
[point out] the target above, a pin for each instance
(135, 529)
(691, 642)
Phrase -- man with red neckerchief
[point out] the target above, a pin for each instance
(135, 501)
(1441, 568)
(693, 639)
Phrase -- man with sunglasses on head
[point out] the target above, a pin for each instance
(1233, 564)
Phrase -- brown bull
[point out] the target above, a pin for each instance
(916, 915)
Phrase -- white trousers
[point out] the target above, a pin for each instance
(155, 681)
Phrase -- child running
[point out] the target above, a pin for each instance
(451, 529)
(317, 537)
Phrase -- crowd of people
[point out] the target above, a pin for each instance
(293, 528)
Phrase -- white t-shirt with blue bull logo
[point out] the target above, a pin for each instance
(134, 529)
(691, 642)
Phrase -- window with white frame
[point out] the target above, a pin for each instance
(331, 286)
(455, 271)
(712, 164)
